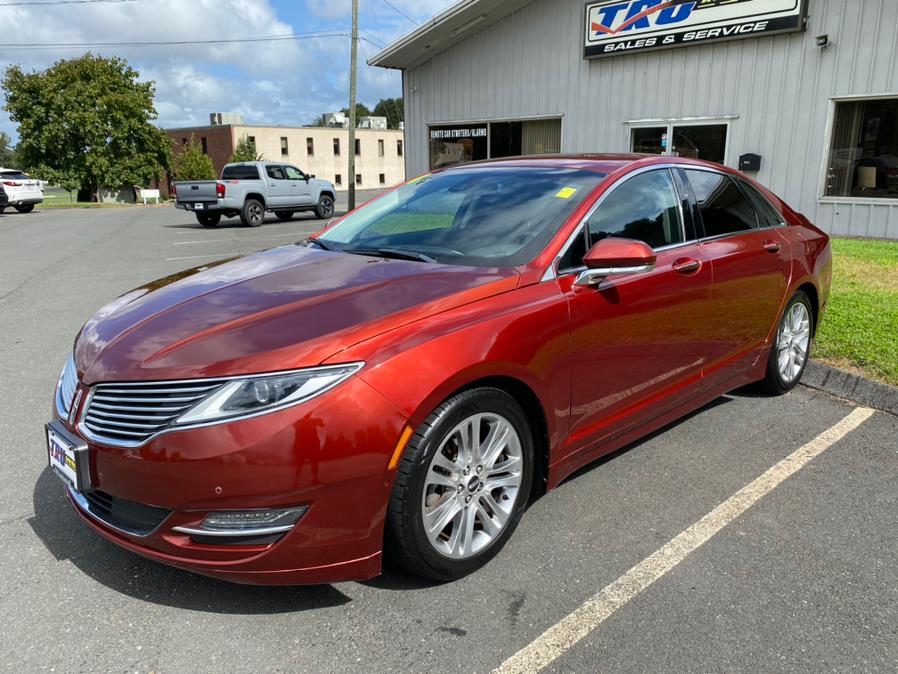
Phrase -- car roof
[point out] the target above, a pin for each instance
(606, 163)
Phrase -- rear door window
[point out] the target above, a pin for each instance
(767, 214)
(240, 173)
(724, 207)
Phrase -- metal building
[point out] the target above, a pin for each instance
(804, 92)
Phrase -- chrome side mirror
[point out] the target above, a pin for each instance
(614, 256)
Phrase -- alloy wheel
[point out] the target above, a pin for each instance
(472, 486)
(793, 342)
(255, 213)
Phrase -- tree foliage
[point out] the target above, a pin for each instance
(86, 123)
(391, 108)
(8, 158)
(245, 151)
(193, 164)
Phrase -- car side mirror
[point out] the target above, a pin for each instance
(616, 257)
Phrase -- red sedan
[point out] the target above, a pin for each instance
(409, 379)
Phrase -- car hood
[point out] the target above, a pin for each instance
(280, 309)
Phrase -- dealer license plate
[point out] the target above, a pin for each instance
(198, 207)
(62, 457)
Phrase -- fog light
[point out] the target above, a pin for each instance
(242, 520)
(246, 523)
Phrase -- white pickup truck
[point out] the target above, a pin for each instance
(249, 189)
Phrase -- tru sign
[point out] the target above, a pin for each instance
(640, 14)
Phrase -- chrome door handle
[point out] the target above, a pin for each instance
(773, 247)
(687, 266)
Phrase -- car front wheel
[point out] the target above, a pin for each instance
(792, 346)
(462, 485)
(325, 207)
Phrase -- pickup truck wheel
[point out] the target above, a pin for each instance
(325, 207)
(208, 219)
(253, 213)
(284, 216)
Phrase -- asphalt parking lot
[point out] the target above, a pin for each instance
(801, 574)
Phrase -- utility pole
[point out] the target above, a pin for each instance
(353, 76)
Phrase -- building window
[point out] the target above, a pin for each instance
(252, 141)
(358, 147)
(863, 160)
(338, 179)
(285, 149)
(380, 148)
(336, 147)
(205, 145)
(183, 141)
(358, 178)
(310, 146)
(383, 179)
(696, 141)
(399, 148)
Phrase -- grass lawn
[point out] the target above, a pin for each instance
(860, 329)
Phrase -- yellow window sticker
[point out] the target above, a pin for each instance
(419, 178)
(567, 193)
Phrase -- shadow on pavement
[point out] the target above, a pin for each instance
(67, 538)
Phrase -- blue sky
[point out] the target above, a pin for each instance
(278, 82)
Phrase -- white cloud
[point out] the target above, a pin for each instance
(279, 82)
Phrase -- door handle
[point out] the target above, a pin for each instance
(687, 266)
(772, 246)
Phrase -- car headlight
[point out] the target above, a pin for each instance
(258, 395)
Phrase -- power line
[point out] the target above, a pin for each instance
(399, 11)
(168, 43)
(61, 2)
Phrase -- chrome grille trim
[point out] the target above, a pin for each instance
(66, 387)
(129, 414)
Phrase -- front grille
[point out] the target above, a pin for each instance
(65, 391)
(130, 414)
(128, 516)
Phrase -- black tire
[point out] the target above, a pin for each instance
(24, 208)
(406, 540)
(208, 219)
(253, 213)
(325, 207)
(284, 216)
(774, 382)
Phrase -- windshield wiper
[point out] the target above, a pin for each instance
(321, 244)
(397, 253)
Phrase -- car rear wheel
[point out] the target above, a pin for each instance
(325, 207)
(25, 208)
(792, 346)
(284, 216)
(462, 485)
(253, 213)
(208, 220)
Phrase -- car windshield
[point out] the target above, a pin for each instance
(478, 216)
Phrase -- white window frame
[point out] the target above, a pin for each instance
(827, 151)
(671, 122)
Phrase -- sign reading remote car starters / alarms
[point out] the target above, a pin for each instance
(616, 27)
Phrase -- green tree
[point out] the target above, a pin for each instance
(8, 157)
(245, 151)
(86, 123)
(361, 110)
(391, 108)
(193, 164)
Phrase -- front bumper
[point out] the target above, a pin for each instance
(330, 454)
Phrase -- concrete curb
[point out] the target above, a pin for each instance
(851, 387)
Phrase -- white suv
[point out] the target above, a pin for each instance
(23, 190)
